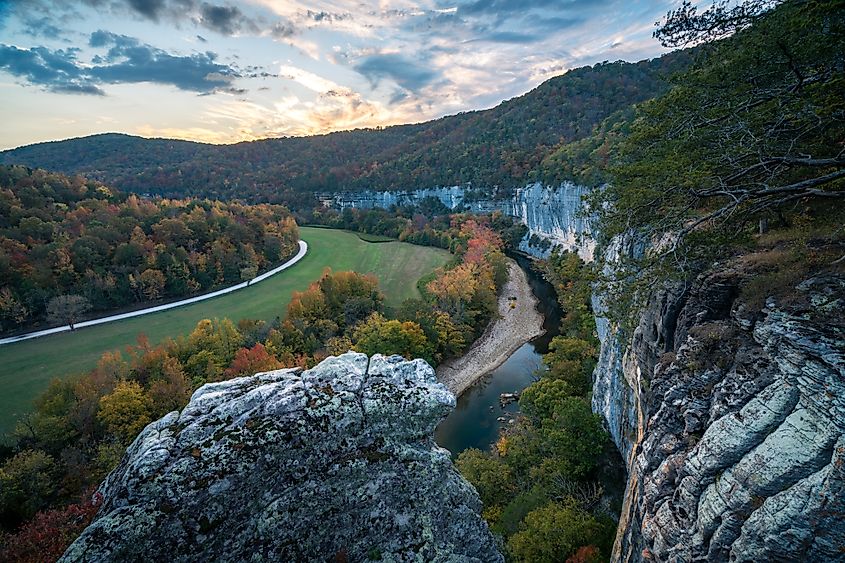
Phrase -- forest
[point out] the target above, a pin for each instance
(70, 246)
(82, 425)
(502, 147)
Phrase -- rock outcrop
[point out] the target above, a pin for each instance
(732, 419)
(336, 463)
(553, 213)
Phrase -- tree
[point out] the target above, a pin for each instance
(125, 411)
(152, 283)
(540, 399)
(380, 336)
(572, 360)
(555, 532)
(49, 533)
(751, 131)
(67, 309)
(454, 288)
(248, 273)
(686, 26)
(27, 481)
(252, 360)
(573, 437)
(12, 311)
(490, 477)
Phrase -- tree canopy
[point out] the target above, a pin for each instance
(751, 132)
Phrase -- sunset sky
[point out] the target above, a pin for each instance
(219, 71)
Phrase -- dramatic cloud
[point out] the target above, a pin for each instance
(342, 63)
(56, 71)
(148, 8)
(406, 73)
(227, 20)
(126, 61)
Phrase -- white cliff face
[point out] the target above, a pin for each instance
(551, 213)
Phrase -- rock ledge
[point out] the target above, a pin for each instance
(335, 463)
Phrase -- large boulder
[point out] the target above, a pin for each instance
(336, 463)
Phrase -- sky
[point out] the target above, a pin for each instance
(220, 71)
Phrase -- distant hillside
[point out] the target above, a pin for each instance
(503, 146)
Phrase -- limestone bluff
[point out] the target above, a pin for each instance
(337, 462)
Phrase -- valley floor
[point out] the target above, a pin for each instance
(27, 367)
(514, 327)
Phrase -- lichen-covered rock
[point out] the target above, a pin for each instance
(335, 463)
(737, 452)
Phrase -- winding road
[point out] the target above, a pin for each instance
(303, 248)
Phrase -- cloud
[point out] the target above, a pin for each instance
(41, 27)
(127, 60)
(226, 20)
(133, 61)
(510, 37)
(393, 66)
(56, 71)
(151, 9)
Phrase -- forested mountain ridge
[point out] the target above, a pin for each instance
(503, 146)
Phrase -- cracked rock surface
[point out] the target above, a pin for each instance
(335, 463)
(736, 444)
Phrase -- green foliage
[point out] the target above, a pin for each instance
(554, 532)
(378, 335)
(571, 360)
(573, 437)
(490, 477)
(539, 400)
(750, 133)
(27, 483)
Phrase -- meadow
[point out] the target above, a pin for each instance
(27, 367)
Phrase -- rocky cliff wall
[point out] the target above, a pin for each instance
(552, 213)
(333, 464)
(732, 421)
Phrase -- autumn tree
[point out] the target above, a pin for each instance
(67, 309)
(50, 532)
(252, 360)
(453, 289)
(125, 411)
(12, 311)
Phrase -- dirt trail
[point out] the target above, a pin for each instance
(514, 327)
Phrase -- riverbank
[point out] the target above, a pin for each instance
(514, 327)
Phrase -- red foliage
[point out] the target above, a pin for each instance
(252, 360)
(49, 533)
(585, 554)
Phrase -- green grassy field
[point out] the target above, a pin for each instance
(27, 367)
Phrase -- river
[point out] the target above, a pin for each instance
(475, 422)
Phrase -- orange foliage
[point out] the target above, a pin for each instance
(585, 554)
